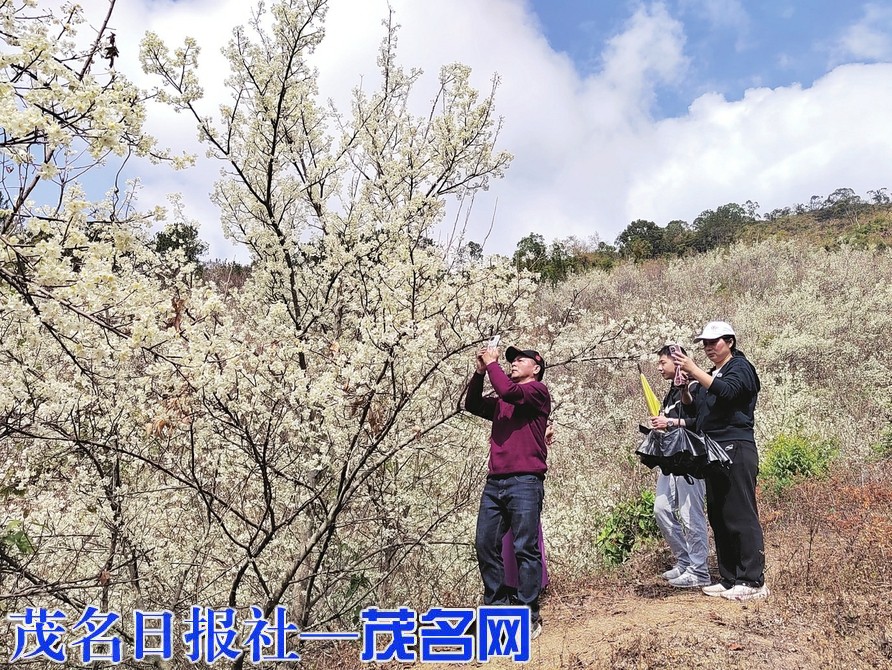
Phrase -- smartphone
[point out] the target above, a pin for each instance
(493, 342)
(680, 377)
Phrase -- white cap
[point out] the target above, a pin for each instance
(714, 330)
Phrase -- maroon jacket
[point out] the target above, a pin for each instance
(519, 415)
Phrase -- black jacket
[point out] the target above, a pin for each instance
(674, 409)
(726, 410)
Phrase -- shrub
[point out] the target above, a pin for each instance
(882, 448)
(790, 459)
(626, 525)
(15, 537)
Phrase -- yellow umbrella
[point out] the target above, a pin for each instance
(653, 404)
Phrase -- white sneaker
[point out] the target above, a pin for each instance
(689, 581)
(536, 629)
(742, 593)
(716, 589)
(673, 573)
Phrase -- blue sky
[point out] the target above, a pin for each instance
(732, 46)
(613, 110)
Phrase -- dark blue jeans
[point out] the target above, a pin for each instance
(513, 502)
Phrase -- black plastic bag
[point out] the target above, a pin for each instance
(650, 450)
(682, 452)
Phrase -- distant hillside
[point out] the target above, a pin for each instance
(841, 218)
(869, 225)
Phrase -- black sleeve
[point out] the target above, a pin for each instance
(738, 381)
(692, 413)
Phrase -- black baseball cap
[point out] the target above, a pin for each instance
(513, 352)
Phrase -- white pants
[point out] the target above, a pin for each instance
(678, 508)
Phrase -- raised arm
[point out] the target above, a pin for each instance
(738, 380)
(475, 403)
(531, 395)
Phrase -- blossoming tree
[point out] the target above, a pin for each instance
(295, 441)
(167, 444)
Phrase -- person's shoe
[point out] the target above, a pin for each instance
(673, 573)
(716, 589)
(742, 593)
(689, 581)
(535, 629)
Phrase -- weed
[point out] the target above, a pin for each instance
(882, 449)
(627, 524)
(790, 459)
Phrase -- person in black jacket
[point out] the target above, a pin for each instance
(725, 400)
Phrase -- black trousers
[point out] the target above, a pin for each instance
(732, 512)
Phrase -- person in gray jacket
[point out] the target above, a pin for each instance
(679, 501)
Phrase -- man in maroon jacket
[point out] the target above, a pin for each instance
(512, 496)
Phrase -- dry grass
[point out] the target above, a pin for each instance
(828, 545)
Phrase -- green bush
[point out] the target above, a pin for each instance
(626, 525)
(15, 537)
(789, 459)
(882, 448)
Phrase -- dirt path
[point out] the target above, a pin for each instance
(622, 629)
(828, 546)
(651, 625)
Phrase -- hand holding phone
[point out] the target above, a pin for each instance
(681, 377)
(490, 352)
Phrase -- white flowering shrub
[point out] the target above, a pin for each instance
(293, 441)
(812, 321)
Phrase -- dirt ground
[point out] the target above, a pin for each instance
(636, 627)
(828, 548)
(651, 625)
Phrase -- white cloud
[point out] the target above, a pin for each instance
(785, 11)
(647, 52)
(868, 39)
(777, 146)
(589, 156)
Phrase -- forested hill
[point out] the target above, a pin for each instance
(841, 218)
